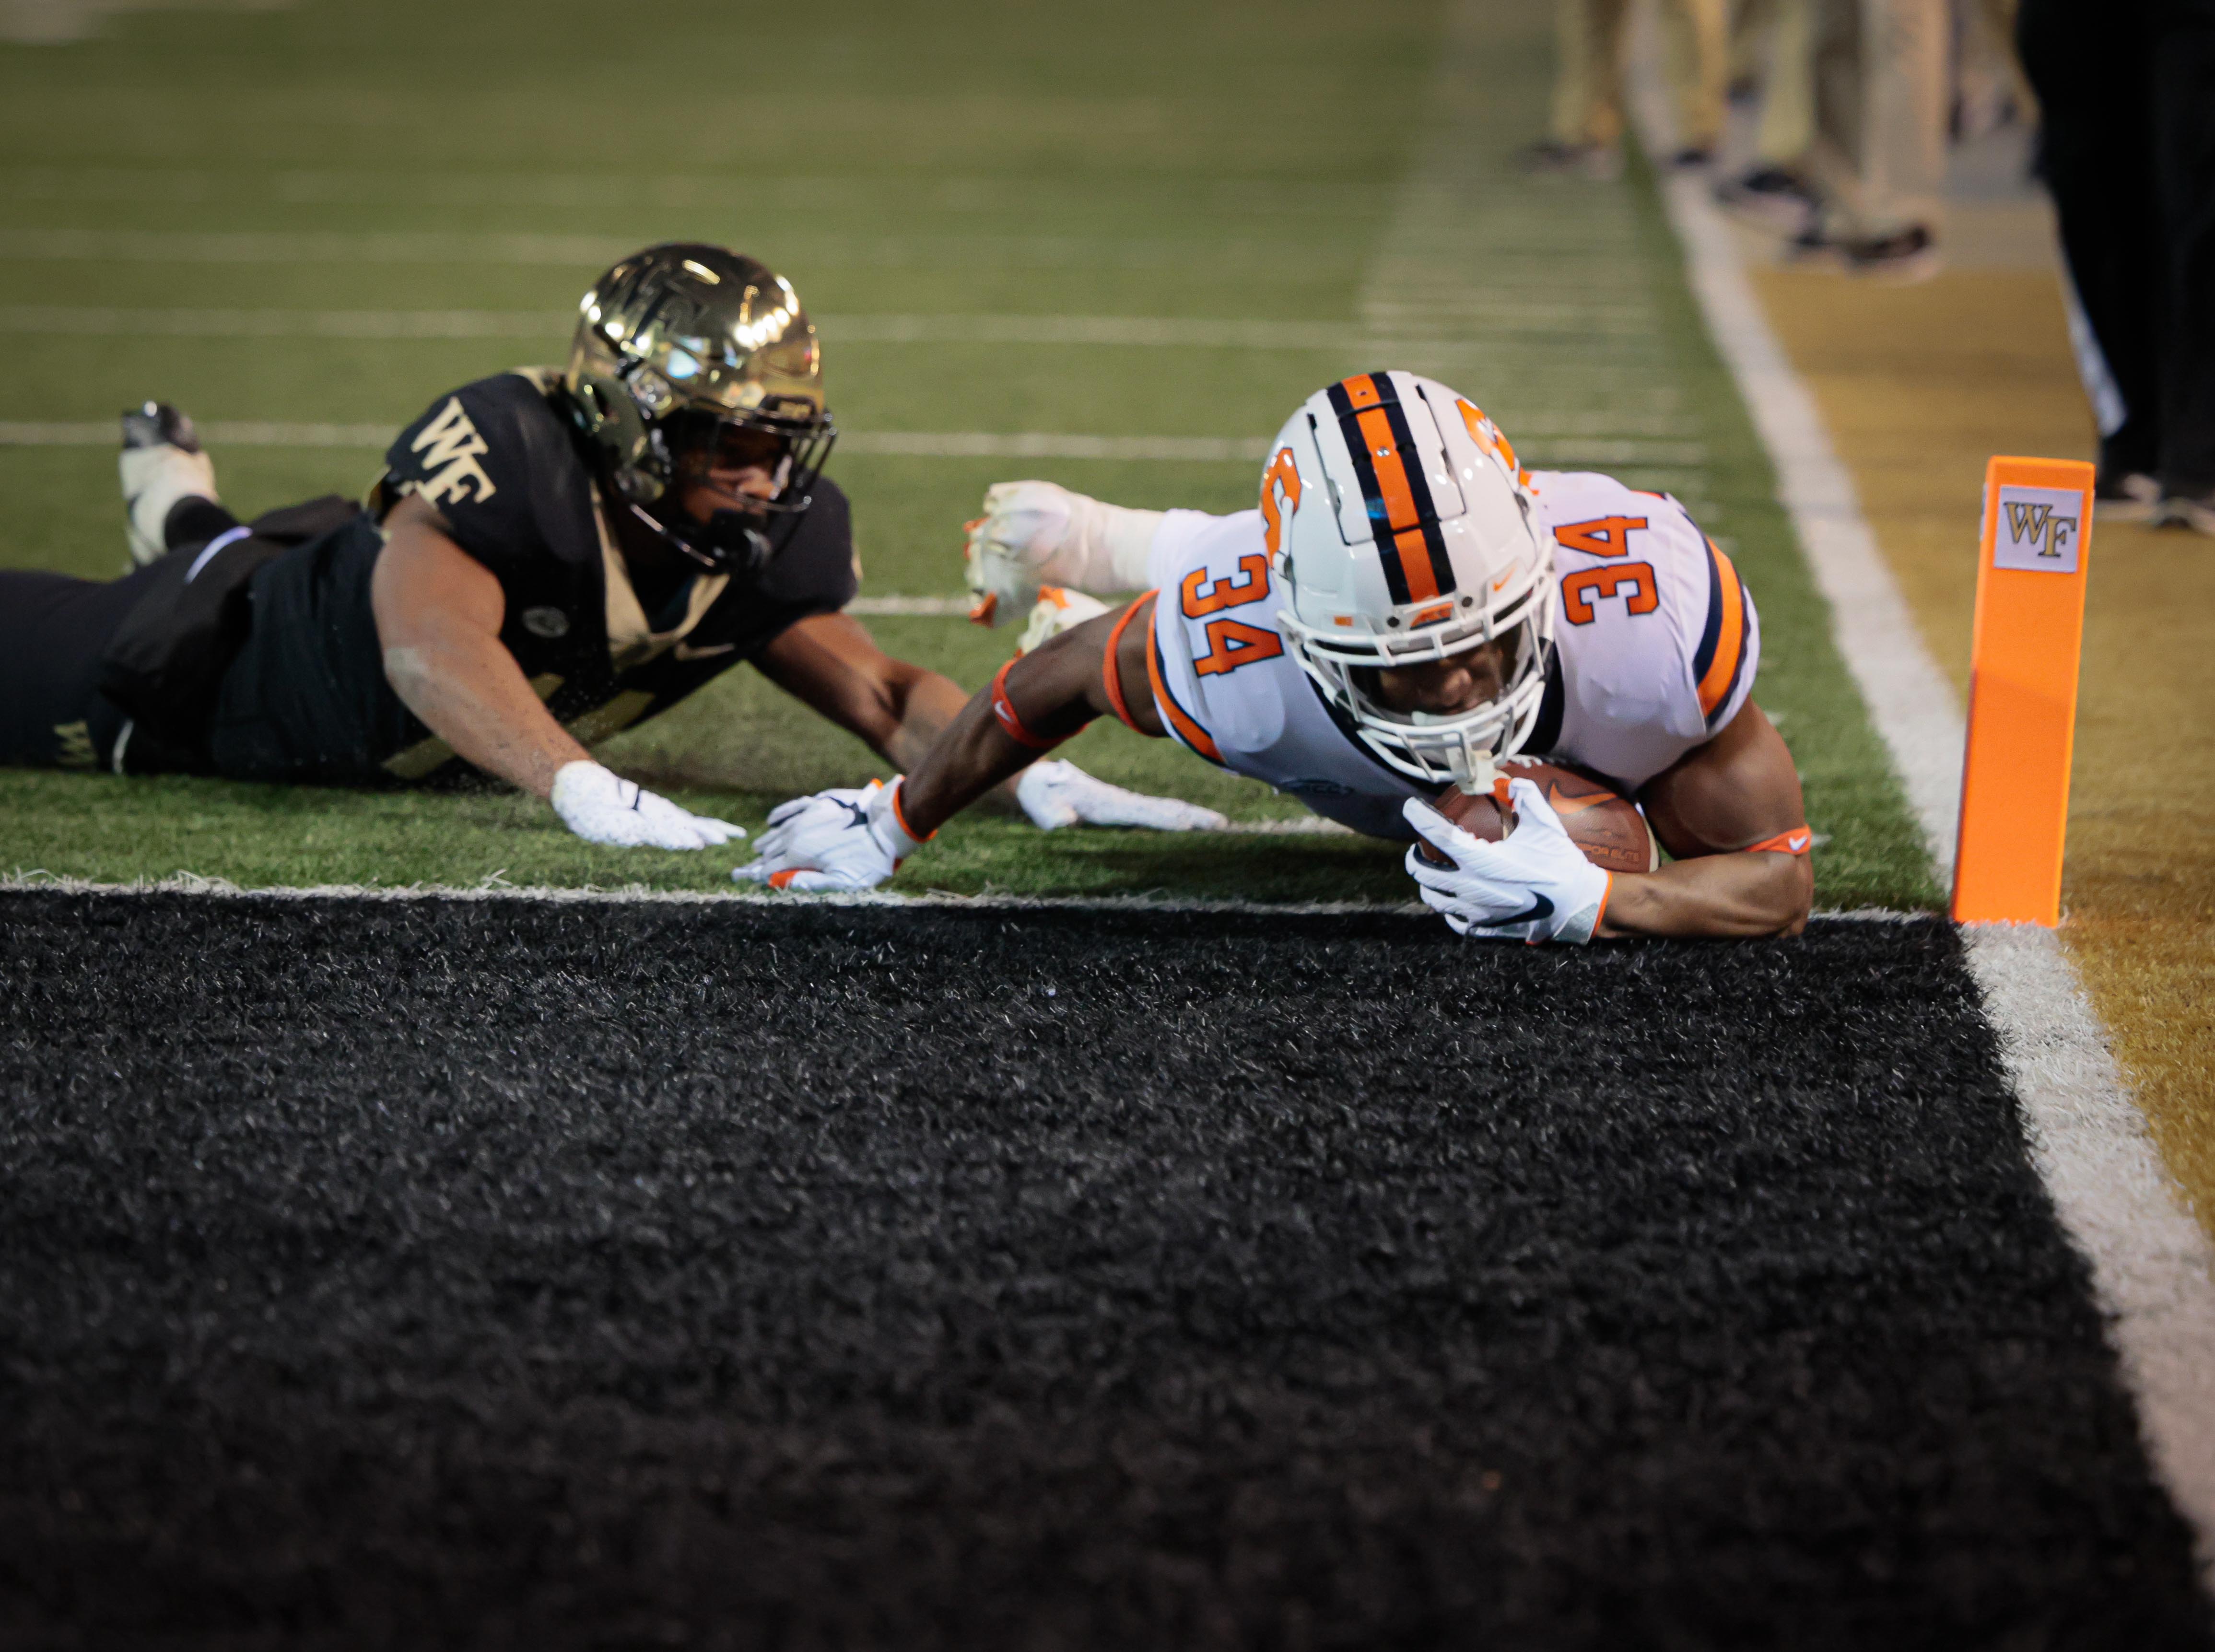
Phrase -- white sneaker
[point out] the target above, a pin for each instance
(160, 464)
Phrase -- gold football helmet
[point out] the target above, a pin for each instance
(690, 357)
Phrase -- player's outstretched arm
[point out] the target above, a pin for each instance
(831, 663)
(1037, 702)
(854, 838)
(439, 613)
(1732, 814)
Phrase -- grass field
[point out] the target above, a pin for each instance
(326, 216)
(538, 1273)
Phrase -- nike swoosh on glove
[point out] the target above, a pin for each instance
(603, 807)
(1058, 793)
(847, 839)
(1534, 885)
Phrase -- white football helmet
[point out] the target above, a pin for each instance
(1399, 526)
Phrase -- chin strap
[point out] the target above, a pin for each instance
(754, 544)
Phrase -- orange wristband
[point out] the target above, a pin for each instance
(1111, 668)
(1011, 722)
(1798, 841)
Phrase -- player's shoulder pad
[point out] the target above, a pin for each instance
(495, 458)
(1192, 541)
(1614, 541)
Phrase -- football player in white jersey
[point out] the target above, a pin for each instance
(1407, 607)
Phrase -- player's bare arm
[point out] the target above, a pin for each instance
(1050, 693)
(831, 664)
(439, 615)
(1708, 809)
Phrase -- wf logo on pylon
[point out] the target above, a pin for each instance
(2038, 530)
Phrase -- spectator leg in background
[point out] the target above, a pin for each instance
(1751, 21)
(1880, 151)
(1788, 90)
(1696, 40)
(1588, 71)
(2089, 67)
(2183, 44)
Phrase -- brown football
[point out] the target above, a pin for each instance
(1599, 820)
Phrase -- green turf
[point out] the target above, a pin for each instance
(1237, 162)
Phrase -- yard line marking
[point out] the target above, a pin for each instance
(591, 252)
(2153, 1270)
(1498, 321)
(105, 432)
(936, 607)
(62, 22)
(888, 444)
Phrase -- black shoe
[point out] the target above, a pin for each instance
(1905, 255)
(1770, 196)
(1603, 162)
(159, 425)
(1692, 156)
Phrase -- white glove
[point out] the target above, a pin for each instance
(1059, 609)
(1059, 794)
(1037, 533)
(1534, 885)
(602, 807)
(848, 837)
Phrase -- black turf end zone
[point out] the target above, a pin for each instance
(503, 1274)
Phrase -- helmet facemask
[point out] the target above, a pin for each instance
(1436, 748)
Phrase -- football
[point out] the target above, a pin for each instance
(1599, 820)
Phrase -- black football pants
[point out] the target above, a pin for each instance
(2128, 149)
(53, 630)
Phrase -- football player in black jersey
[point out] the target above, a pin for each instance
(549, 556)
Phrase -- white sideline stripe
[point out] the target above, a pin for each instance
(191, 883)
(2151, 1265)
(886, 444)
(2153, 1271)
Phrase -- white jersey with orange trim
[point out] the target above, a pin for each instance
(1655, 646)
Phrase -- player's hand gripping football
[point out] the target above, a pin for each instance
(1038, 533)
(848, 838)
(1534, 885)
(602, 807)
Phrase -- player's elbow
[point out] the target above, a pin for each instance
(409, 669)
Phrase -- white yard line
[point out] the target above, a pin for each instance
(2153, 1271)
(1143, 332)
(585, 252)
(934, 607)
(1565, 452)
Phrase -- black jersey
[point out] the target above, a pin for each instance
(308, 699)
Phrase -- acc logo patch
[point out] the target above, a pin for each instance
(549, 623)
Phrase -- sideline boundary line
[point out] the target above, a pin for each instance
(191, 883)
(2153, 1271)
